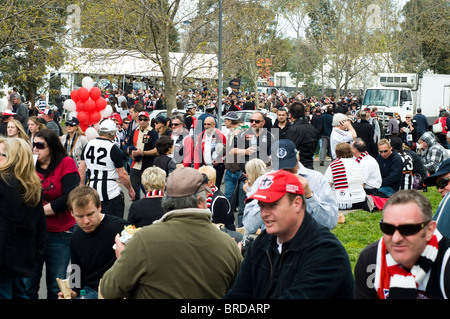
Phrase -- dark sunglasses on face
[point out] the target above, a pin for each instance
(176, 124)
(143, 119)
(255, 121)
(383, 151)
(404, 230)
(443, 183)
(39, 145)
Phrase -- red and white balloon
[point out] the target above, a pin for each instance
(87, 104)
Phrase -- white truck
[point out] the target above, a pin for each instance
(404, 93)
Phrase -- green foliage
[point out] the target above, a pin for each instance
(361, 228)
(32, 42)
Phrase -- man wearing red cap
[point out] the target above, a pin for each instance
(294, 257)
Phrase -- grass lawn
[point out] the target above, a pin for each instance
(362, 228)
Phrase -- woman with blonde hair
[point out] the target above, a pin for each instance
(154, 180)
(34, 125)
(22, 211)
(75, 140)
(15, 129)
(251, 219)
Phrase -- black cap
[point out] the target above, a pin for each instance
(443, 169)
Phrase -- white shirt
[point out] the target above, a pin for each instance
(371, 170)
(355, 179)
(339, 136)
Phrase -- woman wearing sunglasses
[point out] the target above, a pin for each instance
(75, 140)
(59, 175)
(23, 230)
(410, 261)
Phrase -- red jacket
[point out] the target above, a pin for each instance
(200, 146)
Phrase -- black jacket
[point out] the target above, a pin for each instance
(312, 265)
(23, 232)
(305, 137)
(366, 132)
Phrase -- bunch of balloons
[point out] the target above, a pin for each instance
(87, 104)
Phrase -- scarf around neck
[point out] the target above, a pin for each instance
(210, 196)
(393, 281)
(154, 193)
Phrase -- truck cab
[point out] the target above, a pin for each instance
(393, 96)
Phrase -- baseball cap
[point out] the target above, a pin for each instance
(72, 121)
(107, 126)
(284, 154)
(275, 185)
(143, 113)
(161, 119)
(443, 169)
(231, 116)
(190, 105)
(186, 181)
(8, 113)
(47, 112)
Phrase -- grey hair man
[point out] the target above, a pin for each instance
(182, 255)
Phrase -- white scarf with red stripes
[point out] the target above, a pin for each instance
(210, 196)
(361, 156)
(392, 281)
(343, 198)
(154, 193)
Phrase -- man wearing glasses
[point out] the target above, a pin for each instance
(255, 142)
(391, 168)
(410, 261)
(141, 147)
(441, 179)
(183, 144)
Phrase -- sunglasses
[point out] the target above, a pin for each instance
(71, 125)
(443, 183)
(176, 124)
(383, 151)
(404, 230)
(255, 121)
(40, 145)
(143, 119)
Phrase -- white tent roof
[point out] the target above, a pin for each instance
(123, 62)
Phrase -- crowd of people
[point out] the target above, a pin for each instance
(187, 179)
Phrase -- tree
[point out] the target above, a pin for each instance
(250, 36)
(148, 28)
(30, 42)
(426, 34)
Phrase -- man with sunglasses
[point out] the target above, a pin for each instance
(142, 149)
(410, 261)
(391, 168)
(441, 179)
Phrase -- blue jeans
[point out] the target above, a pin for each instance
(56, 258)
(386, 190)
(12, 288)
(230, 179)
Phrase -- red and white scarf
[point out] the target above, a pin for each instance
(210, 196)
(154, 193)
(360, 157)
(343, 198)
(392, 281)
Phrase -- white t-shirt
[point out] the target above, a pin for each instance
(355, 179)
(371, 170)
(339, 136)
